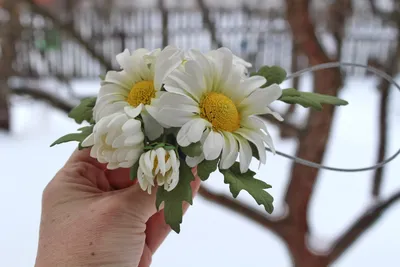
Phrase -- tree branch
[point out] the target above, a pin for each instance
(244, 210)
(365, 221)
(209, 23)
(312, 144)
(164, 21)
(69, 29)
(51, 99)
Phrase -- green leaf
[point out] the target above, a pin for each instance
(193, 150)
(206, 167)
(173, 211)
(102, 77)
(254, 151)
(273, 74)
(245, 181)
(133, 171)
(84, 111)
(79, 137)
(307, 99)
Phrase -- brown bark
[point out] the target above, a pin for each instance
(10, 36)
(313, 142)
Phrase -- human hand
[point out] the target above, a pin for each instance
(96, 217)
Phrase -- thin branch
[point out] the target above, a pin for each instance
(365, 221)
(69, 29)
(210, 25)
(51, 99)
(246, 211)
(164, 22)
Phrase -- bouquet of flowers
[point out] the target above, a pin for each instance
(168, 110)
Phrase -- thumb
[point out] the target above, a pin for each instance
(137, 202)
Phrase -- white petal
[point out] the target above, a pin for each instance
(161, 159)
(125, 164)
(229, 151)
(143, 165)
(111, 109)
(256, 140)
(225, 64)
(194, 70)
(134, 140)
(187, 83)
(213, 145)
(112, 166)
(196, 130)
(173, 117)
(194, 161)
(250, 84)
(112, 89)
(273, 113)
(173, 100)
(119, 78)
(245, 154)
(152, 128)
(117, 121)
(142, 181)
(89, 141)
(182, 137)
(119, 141)
(173, 161)
(133, 112)
(132, 126)
(164, 69)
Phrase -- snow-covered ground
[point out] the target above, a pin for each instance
(212, 236)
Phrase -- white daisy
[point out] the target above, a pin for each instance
(158, 165)
(136, 88)
(117, 140)
(215, 104)
(238, 62)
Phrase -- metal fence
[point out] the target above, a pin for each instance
(260, 38)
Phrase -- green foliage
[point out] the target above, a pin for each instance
(254, 151)
(84, 111)
(193, 150)
(133, 171)
(156, 145)
(273, 74)
(245, 181)
(206, 167)
(307, 99)
(173, 211)
(79, 137)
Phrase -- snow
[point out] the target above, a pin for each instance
(212, 236)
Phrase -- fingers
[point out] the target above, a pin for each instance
(157, 230)
(120, 178)
(139, 203)
(84, 156)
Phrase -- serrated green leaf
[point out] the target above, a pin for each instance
(290, 92)
(273, 74)
(193, 150)
(84, 111)
(308, 99)
(206, 167)
(173, 211)
(79, 137)
(133, 171)
(303, 101)
(245, 181)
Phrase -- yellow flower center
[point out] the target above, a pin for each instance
(220, 111)
(141, 93)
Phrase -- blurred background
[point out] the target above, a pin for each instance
(52, 52)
